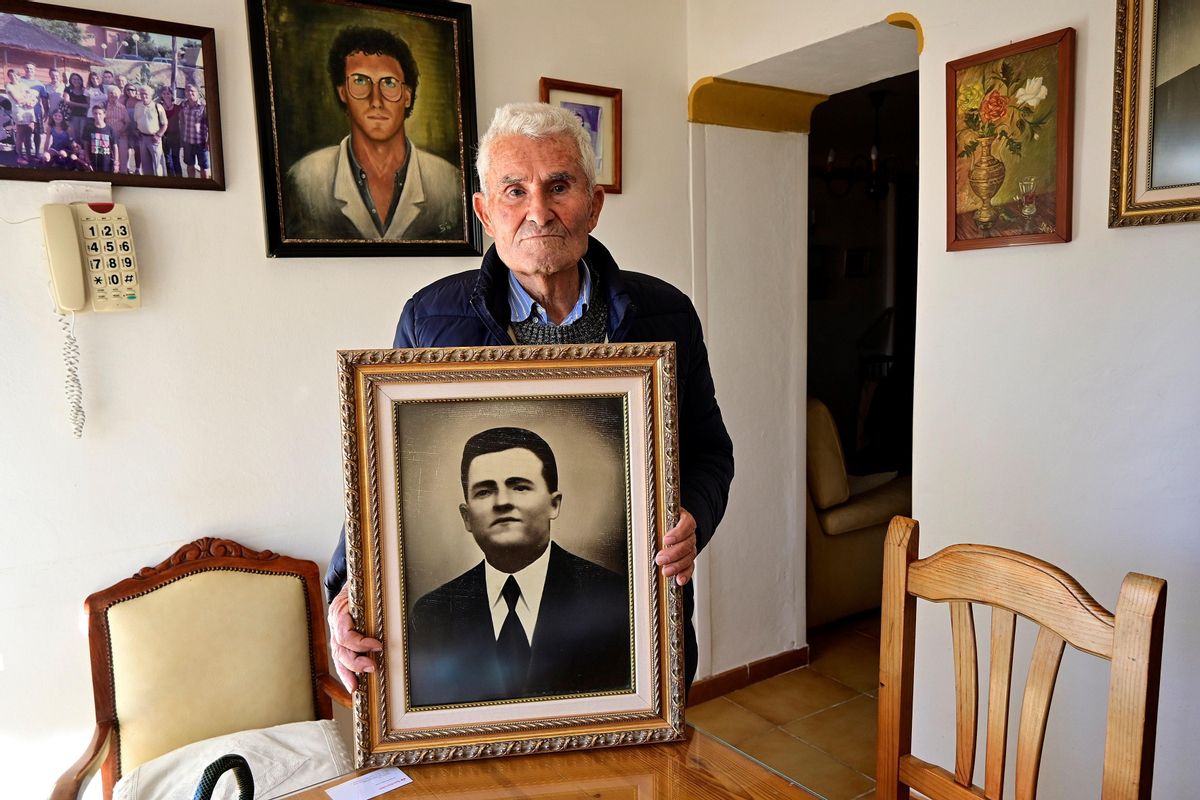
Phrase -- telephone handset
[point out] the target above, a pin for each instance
(89, 250)
(91, 245)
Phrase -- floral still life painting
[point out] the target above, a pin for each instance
(1009, 117)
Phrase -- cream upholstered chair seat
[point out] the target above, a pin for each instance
(846, 521)
(216, 640)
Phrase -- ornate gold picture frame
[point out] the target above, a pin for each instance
(465, 465)
(1156, 114)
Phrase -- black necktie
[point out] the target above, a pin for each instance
(512, 644)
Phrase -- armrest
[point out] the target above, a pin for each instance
(871, 508)
(73, 780)
(332, 687)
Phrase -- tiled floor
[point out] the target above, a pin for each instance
(815, 725)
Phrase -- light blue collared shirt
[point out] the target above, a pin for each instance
(521, 305)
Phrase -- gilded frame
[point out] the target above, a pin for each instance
(398, 407)
(1132, 201)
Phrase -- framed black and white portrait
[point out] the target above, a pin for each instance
(504, 506)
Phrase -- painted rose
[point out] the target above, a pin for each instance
(970, 97)
(1032, 93)
(994, 107)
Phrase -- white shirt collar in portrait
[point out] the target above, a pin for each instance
(531, 580)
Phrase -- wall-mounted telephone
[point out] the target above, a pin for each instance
(89, 250)
(89, 247)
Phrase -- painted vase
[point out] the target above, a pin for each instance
(985, 179)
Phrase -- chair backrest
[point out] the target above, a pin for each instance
(1013, 584)
(216, 639)
(828, 484)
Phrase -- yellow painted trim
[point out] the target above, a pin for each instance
(718, 101)
(902, 19)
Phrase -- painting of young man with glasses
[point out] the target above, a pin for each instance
(375, 184)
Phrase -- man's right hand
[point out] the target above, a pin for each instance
(350, 648)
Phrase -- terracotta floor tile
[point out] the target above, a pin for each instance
(791, 695)
(866, 625)
(846, 657)
(727, 721)
(846, 732)
(807, 765)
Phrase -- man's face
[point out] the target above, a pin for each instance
(374, 116)
(508, 505)
(99, 113)
(29, 70)
(144, 94)
(54, 76)
(106, 78)
(192, 96)
(538, 207)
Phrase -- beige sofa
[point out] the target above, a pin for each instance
(847, 518)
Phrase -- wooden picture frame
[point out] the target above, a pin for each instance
(599, 111)
(604, 664)
(106, 50)
(1009, 144)
(318, 144)
(1156, 116)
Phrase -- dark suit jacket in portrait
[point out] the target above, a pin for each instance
(581, 641)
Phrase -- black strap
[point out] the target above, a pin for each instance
(214, 771)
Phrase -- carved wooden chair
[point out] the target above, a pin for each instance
(215, 640)
(1013, 584)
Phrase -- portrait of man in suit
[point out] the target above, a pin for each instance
(376, 183)
(531, 619)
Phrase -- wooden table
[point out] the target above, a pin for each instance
(698, 768)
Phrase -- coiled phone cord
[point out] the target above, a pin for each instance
(74, 388)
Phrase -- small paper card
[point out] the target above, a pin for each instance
(370, 785)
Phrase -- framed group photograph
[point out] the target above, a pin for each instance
(503, 509)
(90, 95)
(599, 111)
(1155, 176)
(1009, 133)
(366, 126)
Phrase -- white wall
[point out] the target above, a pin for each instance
(1057, 386)
(213, 410)
(751, 268)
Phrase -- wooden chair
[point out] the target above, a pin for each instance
(1013, 583)
(217, 639)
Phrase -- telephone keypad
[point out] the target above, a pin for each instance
(110, 257)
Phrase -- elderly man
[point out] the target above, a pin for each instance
(547, 281)
(375, 184)
(150, 119)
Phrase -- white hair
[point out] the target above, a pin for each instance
(536, 121)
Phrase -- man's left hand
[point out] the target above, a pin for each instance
(678, 555)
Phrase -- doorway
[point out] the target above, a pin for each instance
(862, 269)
